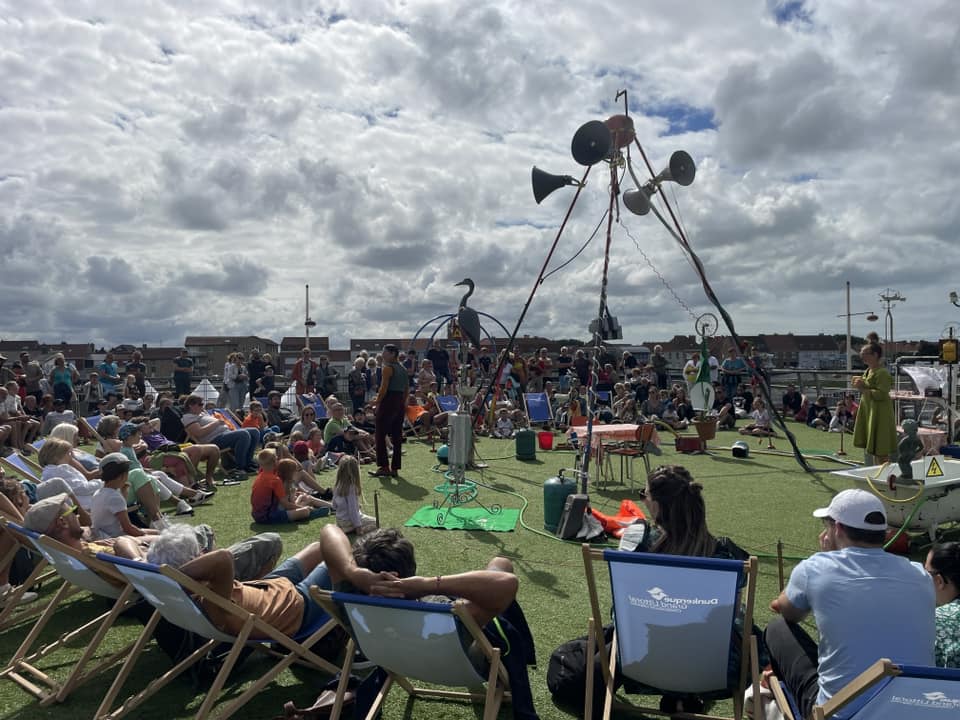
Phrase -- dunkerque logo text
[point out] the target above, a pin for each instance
(660, 600)
(937, 700)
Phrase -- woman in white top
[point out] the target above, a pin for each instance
(55, 458)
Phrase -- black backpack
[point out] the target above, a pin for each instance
(567, 674)
(171, 424)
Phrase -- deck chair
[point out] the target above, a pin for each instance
(19, 465)
(12, 613)
(316, 404)
(674, 619)
(538, 408)
(447, 403)
(171, 593)
(226, 415)
(887, 691)
(79, 572)
(89, 426)
(417, 640)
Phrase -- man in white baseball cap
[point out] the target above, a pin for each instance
(867, 604)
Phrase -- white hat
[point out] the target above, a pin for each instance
(852, 508)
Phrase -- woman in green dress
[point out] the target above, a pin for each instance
(876, 427)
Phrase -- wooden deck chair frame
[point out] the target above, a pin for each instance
(873, 681)
(12, 613)
(539, 402)
(416, 432)
(79, 573)
(179, 591)
(22, 466)
(497, 685)
(746, 596)
(90, 428)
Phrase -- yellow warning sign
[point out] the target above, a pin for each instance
(934, 470)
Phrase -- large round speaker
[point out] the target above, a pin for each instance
(591, 143)
(621, 130)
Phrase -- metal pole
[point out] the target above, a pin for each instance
(306, 319)
(849, 348)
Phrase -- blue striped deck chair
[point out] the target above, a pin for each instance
(79, 572)
(172, 595)
(38, 443)
(538, 408)
(447, 403)
(674, 618)
(887, 691)
(420, 641)
(19, 465)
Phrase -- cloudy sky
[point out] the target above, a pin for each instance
(174, 168)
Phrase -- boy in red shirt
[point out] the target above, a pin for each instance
(268, 497)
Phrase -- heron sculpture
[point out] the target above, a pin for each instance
(467, 318)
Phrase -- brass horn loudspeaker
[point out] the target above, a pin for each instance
(545, 183)
(637, 201)
(681, 170)
(591, 143)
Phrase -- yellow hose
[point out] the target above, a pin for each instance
(887, 497)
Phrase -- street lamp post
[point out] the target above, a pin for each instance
(308, 323)
(889, 298)
(871, 317)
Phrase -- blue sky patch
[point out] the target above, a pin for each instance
(683, 118)
(786, 12)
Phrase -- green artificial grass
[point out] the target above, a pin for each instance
(758, 502)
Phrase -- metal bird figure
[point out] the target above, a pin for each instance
(467, 318)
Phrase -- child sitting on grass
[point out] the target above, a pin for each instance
(760, 427)
(291, 473)
(306, 481)
(347, 495)
(268, 497)
(504, 427)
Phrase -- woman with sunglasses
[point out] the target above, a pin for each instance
(943, 564)
(307, 422)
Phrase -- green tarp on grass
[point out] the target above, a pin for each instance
(461, 518)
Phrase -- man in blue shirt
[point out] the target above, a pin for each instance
(109, 375)
(868, 604)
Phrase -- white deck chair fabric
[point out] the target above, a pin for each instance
(77, 576)
(422, 640)
(170, 592)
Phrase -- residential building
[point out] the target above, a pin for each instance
(209, 352)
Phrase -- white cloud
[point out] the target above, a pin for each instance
(210, 159)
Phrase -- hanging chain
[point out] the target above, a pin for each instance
(681, 303)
